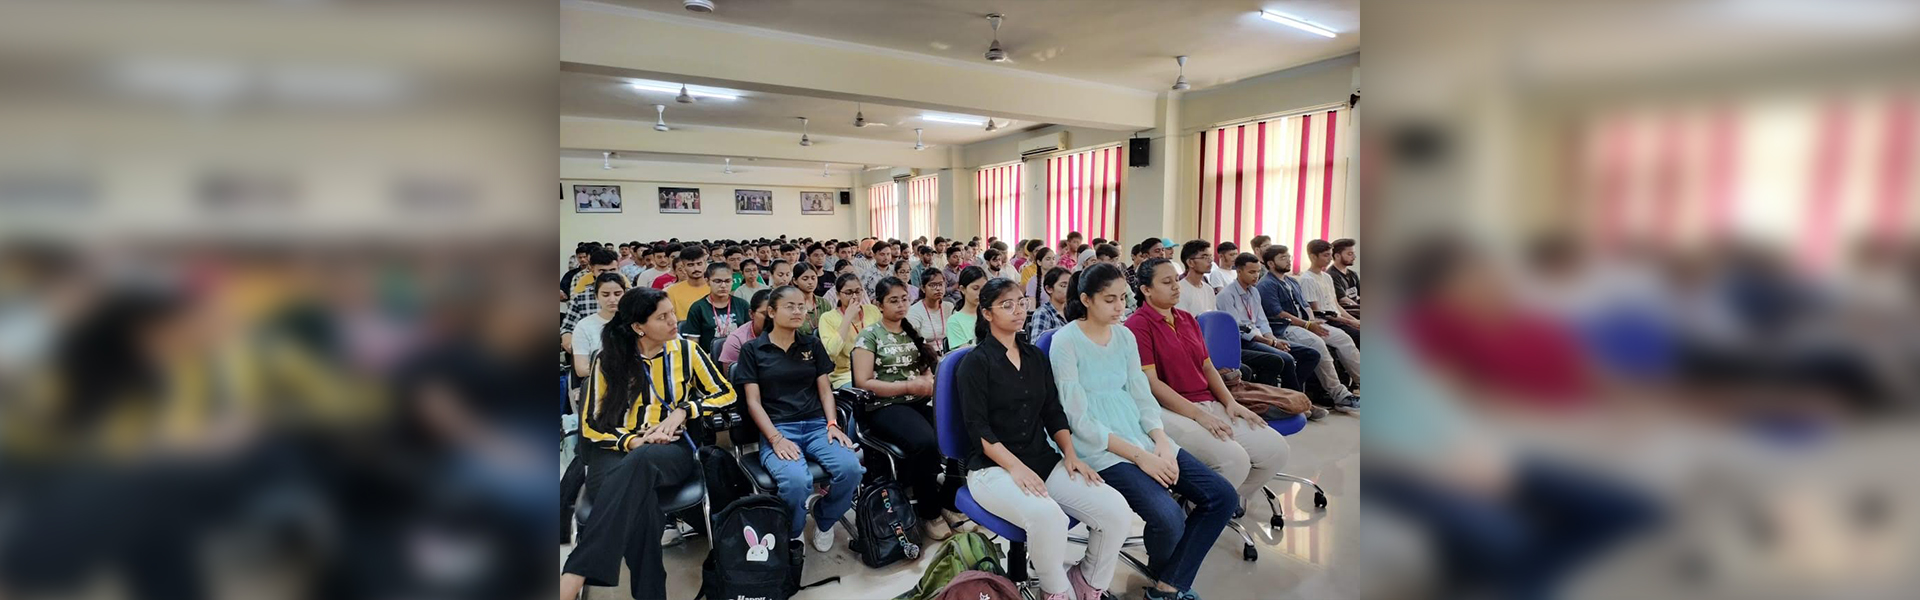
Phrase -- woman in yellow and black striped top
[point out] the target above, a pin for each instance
(646, 383)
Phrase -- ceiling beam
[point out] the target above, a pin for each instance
(625, 42)
(599, 135)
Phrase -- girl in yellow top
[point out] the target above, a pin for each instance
(839, 333)
(645, 384)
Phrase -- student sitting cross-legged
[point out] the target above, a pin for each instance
(1012, 408)
(784, 376)
(1117, 429)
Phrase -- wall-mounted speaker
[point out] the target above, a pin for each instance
(1137, 149)
(846, 197)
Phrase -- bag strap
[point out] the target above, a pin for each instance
(833, 579)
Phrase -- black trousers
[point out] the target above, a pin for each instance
(575, 474)
(910, 425)
(626, 520)
(1270, 365)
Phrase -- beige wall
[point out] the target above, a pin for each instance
(641, 220)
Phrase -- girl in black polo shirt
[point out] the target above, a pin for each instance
(1012, 409)
(785, 377)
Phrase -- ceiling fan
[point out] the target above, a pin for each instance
(860, 118)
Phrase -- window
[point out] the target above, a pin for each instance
(999, 193)
(923, 200)
(1083, 194)
(1283, 177)
(885, 210)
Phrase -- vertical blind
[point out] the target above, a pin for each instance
(998, 189)
(1083, 193)
(885, 209)
(923, 200)
(1817, 173)
(1284, 177)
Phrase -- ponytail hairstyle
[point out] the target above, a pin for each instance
(1040, 254)
(1088, 281)
(620, 362)
(924, 354)
(990, 293)
(967, 277)
(760, 300)
(1143, 277)
(847, 281)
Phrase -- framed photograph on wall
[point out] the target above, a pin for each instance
(753, 202)
(680, 200)
(596, 198)
(816, 203)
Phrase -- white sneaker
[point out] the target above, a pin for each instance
(822, 537)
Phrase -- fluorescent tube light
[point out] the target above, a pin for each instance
(955, 120)
(674, 89)
(1296, 24)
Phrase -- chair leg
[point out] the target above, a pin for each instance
(1136, 565)
(1016, 560)
(1319, 495)
(1279, 519)
(1247, 550)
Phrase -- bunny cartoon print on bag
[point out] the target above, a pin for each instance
(757, 548)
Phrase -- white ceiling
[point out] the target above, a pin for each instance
(1127, 43)
(606, 97)
(739, 163)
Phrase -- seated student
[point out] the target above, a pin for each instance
(1272, 361)
(1052, 313)
(1346, 281)
(692, 283)
(783, 374)
(750, 281)
(1289, 316)
(922, 265)
(807, 279)
(929, 314)
(674, 270)
(734, 255)
(896, 364)
(1117, 429)
(956, 260)
(840, 328)
(960, 325)
(840, 269)
(1044, 261)
(1197, 292)
(715, 316)
(607, 290)
(582, 303)
(1222, 272)
(902, 271)
(1012, 408)
(1201, 416)
(1320, 291)
(780, 274)
(635, 435)
(759, 309)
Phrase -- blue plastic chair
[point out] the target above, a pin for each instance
(1046, 341)
(1222, 336)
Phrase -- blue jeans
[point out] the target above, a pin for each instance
(1177, 540)
(842, 466)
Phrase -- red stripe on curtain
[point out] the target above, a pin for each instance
(1666, 178)
(1219, 175)
(1300, 194)
(1119, 176)
(1895, 172)
(1019, 172)
(1100, 213)
(1613, 184)
(1326, 178)
(1239, 180)
(1260, 181)
(1829, 160)
(1051, 180)
(1722, 155)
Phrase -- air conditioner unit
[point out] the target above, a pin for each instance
(904, 173)
(1052, 142)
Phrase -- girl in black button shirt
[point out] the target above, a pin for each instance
(1012, 408)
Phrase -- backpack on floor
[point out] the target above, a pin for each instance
(965, 551)
(751, 557)
(726, 480)
(883, 524)
(979, 585)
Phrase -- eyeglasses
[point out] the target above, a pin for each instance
(795, 306)
(1011, 304)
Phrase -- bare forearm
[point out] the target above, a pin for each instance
(1125, 449)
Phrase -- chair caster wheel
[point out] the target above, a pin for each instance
(1247, 552)
(1277, 521)
(1319, 500)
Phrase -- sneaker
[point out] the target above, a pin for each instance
(1348, 405)
(936, 529)
(823, 538)
(1154, 593)
(1316, 414)
(1082, 589)
(959, 522)
(1189, 595)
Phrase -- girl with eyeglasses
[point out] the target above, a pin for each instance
(841, 327)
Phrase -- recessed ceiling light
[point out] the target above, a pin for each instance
(954, 119)
(676, 90)
(1296, 23)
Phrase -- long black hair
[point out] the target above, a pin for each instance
(760, 300)
(101, 361)
(990, 293)
(620, 362)
(1088, 281)
(1143, 277)
(967, 277)
(925, 353)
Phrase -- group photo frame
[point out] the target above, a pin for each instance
(816, 203)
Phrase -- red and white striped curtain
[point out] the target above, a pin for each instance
(923, 198)
(1083, 193)
(1284, 177)
(998, 189)
(1815, 174)
(885, 210)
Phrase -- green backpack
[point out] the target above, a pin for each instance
(965, 551)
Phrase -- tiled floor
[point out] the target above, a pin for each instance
(1296, 565)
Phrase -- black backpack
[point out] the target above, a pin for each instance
(883, 523)
(751, 559)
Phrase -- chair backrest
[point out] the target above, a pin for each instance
(948, 424)
(1223, 338)
(1046, 342)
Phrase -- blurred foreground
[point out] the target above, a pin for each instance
(1647, 277)
(272, 321)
